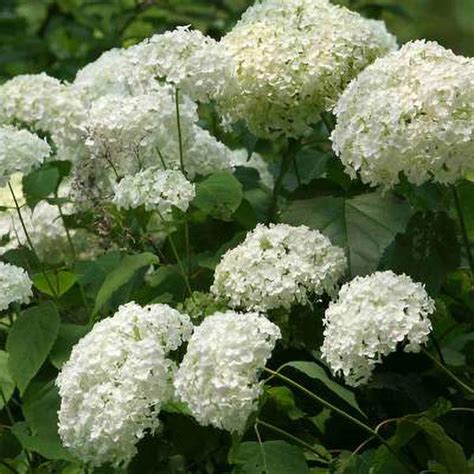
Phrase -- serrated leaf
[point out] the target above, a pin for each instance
(29, 341)
(219, 195)
(314, 371)
(363, 225)
(271, 457)
(121, 275)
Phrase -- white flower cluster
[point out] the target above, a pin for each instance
(192, 62)
(135, 132)
(409, 112)
(218, 377)
(20, 151)
(116, 380)
(371, 317)
(15, 285)
(278, 266)
(293, 60)
(155, 189)
(44, 104)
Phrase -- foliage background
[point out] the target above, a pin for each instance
(60, 36)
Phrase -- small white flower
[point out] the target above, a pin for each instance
(412, 112)
(293, 59)
(155, 189)
(15, 286)
(372, 315)
(278, 266)
(116, 380)
(20, 151)
(218, 377)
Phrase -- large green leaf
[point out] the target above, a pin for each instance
(68, 336)
(363, 225)
(7, 385)
(219, 195)
(316, 372)
(121, 275)
(29, 342)
(427, 251)
(44, 181)
(40, 409)
(61, 282)
(270, 457)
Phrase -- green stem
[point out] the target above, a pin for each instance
(286, 161)
(342, 413)
(72, 248)
(30, 243)
(448, 372)
(180, 135)
(462, 224)
(178, 259)
(292, 437)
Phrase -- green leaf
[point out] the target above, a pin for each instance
(44, 181)
(427, 251)
(61, 282)
(285, 401)
(121, 275)
(40, 409)
(10, 448)
(363, 225)
(68, 336)
(29, 342)
(219, 195)
(271, 457)
(466, 200)
(314, 371)
(7, 385)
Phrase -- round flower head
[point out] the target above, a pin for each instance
(112, 73)
(116, 380)
(15, 285)
(410, 112)
(20, 151)
(278, 266)
(192, 62)
(155, 189)
(218, 377)
(30, 99)
(371, 317)
(293, 60)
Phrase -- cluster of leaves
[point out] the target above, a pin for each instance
(424, 418)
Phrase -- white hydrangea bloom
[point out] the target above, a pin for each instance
(15, 285)
(410, 112)
(112, 73)
(293, 60)
(31, 99)
(155, 189)
(218, 377)
(20, 151)
(278, 266)
(136, 132)
(45, 104)
(372, 315)
(194, 63)
(116, 380)
(256, 161)
(131, 131)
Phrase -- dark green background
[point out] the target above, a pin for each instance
(59, 36)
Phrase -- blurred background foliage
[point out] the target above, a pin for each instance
(60, 36)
